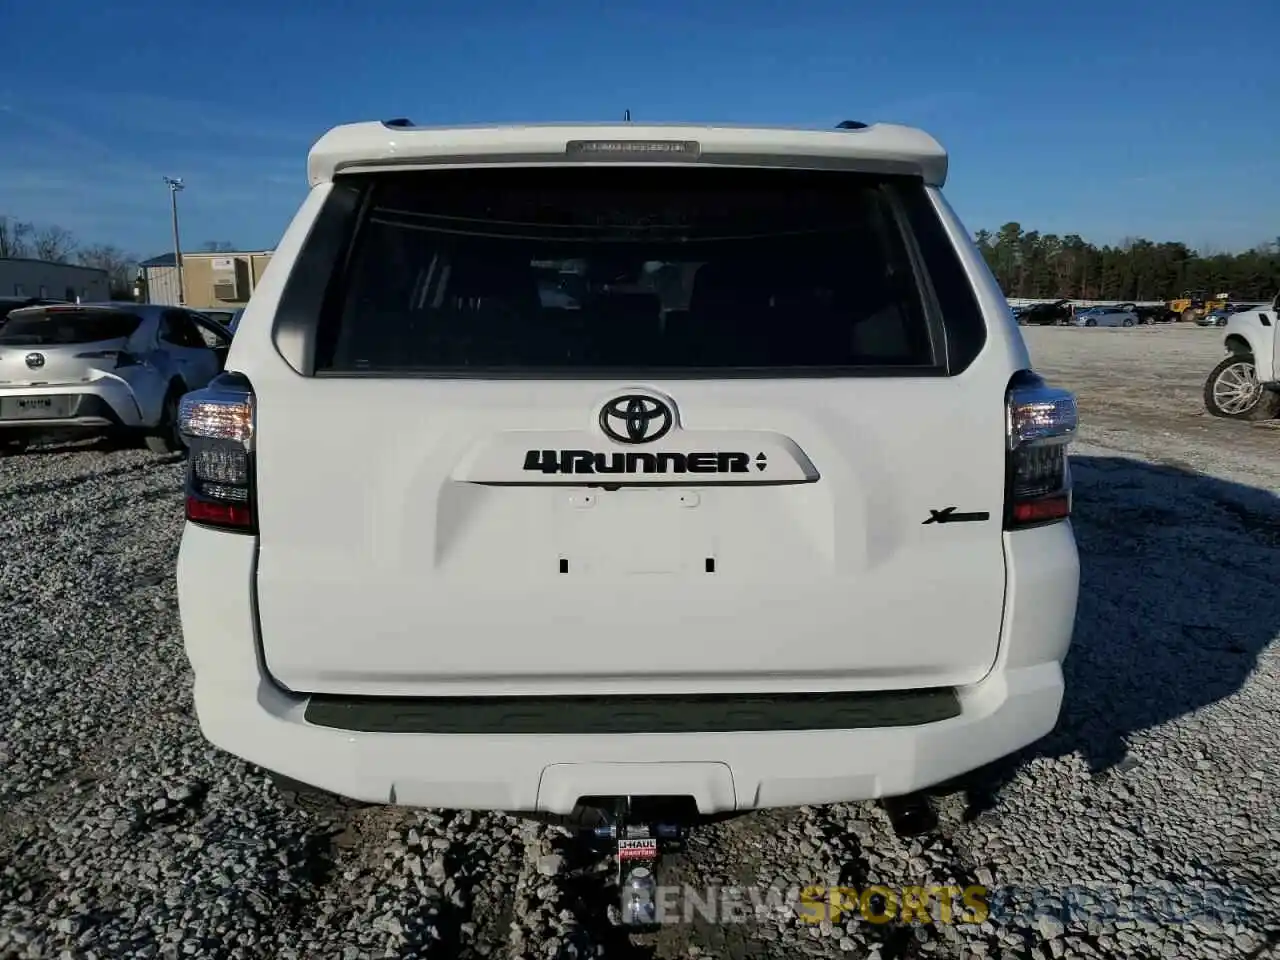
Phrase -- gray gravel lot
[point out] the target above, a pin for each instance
(122, 834)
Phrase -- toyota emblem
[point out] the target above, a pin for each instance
(35, 360)
(636, 418)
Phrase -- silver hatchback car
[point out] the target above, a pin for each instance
(1106, 317)
(84, 369)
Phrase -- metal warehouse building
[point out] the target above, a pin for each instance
(212, 280)
(20, 277)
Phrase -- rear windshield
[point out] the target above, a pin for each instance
(569, 271)
(49, 328)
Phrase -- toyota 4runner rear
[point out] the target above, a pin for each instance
(555, 463)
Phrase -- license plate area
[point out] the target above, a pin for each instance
(34, 408)
(645, 530)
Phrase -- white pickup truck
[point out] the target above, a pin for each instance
(1245, 385)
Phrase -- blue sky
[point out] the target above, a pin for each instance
(1107, 119)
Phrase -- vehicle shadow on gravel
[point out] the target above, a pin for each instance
(1177, 603)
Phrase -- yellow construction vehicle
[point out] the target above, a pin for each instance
(1190, 307)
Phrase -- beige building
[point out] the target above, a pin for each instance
(210, 280)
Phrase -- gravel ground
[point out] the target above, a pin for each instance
(122, 834)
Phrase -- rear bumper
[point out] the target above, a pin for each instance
(722, 771)
(243, 712)
(101, 405)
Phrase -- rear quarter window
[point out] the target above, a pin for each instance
(50, 328)
(646, 271)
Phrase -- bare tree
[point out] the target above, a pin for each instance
(15, 236)
(121, 267)
(53, 244)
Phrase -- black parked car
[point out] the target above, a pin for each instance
(1045, 314)
(1151, 314)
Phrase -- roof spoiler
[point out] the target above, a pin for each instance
(399, 143)
(401, 123)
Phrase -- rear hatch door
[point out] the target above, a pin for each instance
(762, 448)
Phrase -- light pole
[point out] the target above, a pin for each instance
(174, 185)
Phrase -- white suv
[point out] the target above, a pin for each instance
(559, 464)
(79, 369)
(1245, 385)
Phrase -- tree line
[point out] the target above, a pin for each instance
(21, 239)
(1030, 264)
(1026, 263)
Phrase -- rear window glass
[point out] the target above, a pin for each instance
(49, 328)
(625, 269)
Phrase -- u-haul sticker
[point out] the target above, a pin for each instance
(637, 849)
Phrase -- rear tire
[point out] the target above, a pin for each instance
(1232, 391)
(165, 438)
(1091, 323)
(1128, 323)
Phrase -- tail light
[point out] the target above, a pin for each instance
(217, 425)
(1041, 422)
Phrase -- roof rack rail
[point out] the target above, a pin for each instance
(398, 122)
(851, 125)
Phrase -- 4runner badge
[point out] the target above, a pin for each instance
(588, 461)
(640, 418)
